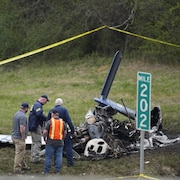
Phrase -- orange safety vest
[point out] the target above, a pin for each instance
(56, 130)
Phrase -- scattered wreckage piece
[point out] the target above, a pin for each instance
(96, 148)
(6, 139)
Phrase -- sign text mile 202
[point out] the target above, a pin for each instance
(143, 101)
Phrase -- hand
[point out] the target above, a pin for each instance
(75, 133)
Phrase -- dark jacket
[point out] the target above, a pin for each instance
(63, 114)
(36, 116)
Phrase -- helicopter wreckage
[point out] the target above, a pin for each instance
(103, 136)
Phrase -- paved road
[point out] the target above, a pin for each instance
(59, 177)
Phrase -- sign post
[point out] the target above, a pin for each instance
(143, 115)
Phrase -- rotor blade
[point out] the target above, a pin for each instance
(110, 77)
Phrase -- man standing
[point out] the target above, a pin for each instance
(19, 134)
(54, 133)
(36, 119)
(64, 114)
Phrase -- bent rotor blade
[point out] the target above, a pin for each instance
(110, 77)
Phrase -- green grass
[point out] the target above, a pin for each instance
(78, 82)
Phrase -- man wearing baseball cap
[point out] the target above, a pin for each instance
(64, 114)
(36, 119)
(19, 134)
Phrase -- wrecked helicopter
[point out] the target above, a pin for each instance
(103, 136)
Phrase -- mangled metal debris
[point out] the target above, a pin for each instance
(102, 136)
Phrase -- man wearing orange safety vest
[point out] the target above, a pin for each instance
(54, 134)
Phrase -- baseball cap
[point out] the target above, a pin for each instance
(45, 96)
(56, 112)
(24, 105)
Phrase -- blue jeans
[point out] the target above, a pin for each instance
(51, 151)
(68, 150)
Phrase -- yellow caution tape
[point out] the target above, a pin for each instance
(133, 177)
(123, 177)
(146, 177)
(78, 36)
(49, 46)
(143, 37)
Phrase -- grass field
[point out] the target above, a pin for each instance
(78, 82)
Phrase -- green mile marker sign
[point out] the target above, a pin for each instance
(143, 112)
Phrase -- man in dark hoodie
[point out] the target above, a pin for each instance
(35, 123)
